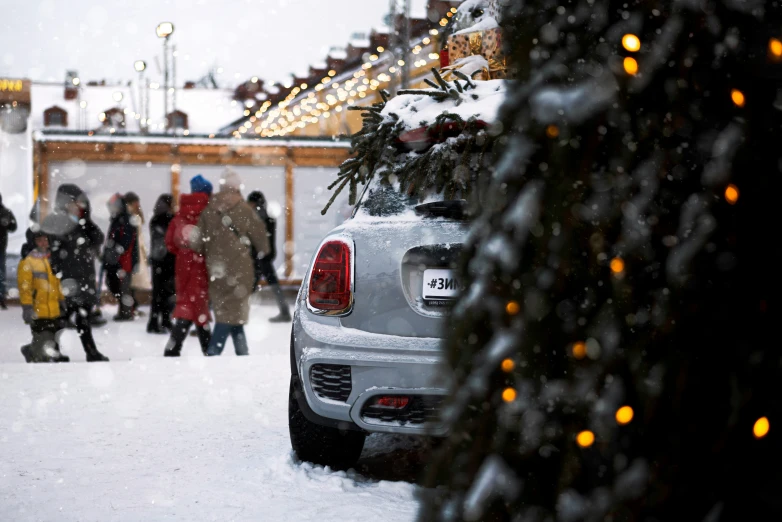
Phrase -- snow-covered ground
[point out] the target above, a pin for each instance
(150, 438)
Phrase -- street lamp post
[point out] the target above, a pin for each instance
(140, 66)
(164, 30)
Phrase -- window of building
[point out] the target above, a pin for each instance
(55, 117)
(177, 120)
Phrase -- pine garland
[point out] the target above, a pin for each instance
(609, 353)
(451, 166)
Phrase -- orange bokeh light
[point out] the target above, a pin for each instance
(617, 265)
(631, 42)
(731, 194)
(761, 427)
(738, 97)
(624, 415)
(631, 66)
(585, 438)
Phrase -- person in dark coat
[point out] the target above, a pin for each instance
(264, 267)
(162, 264)
(7, 225)
(120, 256)
(192, 280)
(75, 241)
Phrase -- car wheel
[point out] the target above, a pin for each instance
(338, 449)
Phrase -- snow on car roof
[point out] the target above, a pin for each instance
(417, 110)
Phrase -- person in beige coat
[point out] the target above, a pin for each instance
(227, 229)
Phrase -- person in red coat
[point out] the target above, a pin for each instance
(192, 280)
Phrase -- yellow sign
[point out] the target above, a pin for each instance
(7, 85)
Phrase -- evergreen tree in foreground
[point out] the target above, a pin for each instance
(616, 352)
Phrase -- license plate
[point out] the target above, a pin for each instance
(441, 286)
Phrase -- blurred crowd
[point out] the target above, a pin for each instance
(206, 257)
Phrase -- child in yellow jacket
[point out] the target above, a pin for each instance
(42, 301)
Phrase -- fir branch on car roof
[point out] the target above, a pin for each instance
(443, 156)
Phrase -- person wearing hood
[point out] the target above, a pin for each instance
(42, 300)
(120, 256)
(192, 280)
(264, 266)
(162, 263)
(75, 242)
(7, 225)
(35, 226)
(227, 232)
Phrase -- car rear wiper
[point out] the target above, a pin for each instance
(454, 209)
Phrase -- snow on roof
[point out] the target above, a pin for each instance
(417, 110)
(207, 109)
(339, 54)
(324, 143)
(485, 23)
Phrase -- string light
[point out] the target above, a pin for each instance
(617, 265)
(631, 42)
(509, 395)
(761, 427)
(585, 438)
(579, 350)
(631, 66)
(738, 97)
(624, 415)
(552, 131)
(508, 365)
(512, 308)
(279, 121)
(731, 194)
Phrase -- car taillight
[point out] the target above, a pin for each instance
(330, 281)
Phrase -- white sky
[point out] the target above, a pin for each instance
(41, 39)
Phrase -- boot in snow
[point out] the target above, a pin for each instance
(204, 336)
(31, 357)
(285, 313)
(28, 353)
(97, 319)
(96, 356)
(154, 328)
(60, 357)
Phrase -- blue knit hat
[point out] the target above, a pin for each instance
(200, 184)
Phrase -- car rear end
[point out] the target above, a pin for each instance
(370, 317)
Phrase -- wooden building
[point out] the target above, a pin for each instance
(293, 174)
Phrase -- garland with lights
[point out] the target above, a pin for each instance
(611, 353)
(457, 150)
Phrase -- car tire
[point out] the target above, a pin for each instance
(322, 445)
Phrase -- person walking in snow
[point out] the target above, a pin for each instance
(120, 256)
(264, 266)
(140, 280)
(192, 280)
(162, 263)
(7, 225)
(75, 240)
(227, 231)
(42, 300)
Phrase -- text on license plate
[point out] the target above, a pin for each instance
(440, 283)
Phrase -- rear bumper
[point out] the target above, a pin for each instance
(379, 365)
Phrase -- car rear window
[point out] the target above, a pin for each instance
(382, 199)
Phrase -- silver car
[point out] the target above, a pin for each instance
(366, 340)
